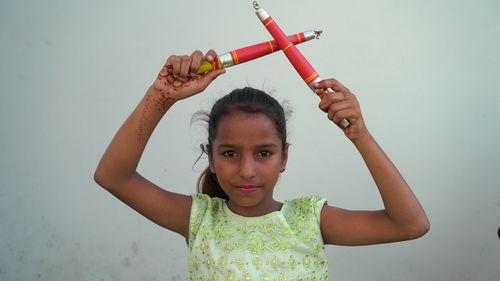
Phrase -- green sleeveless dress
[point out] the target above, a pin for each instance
(283, 245)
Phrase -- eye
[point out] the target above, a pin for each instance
(229, 153)
(265, 153)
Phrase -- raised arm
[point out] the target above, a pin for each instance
(117, 172)
(403, 218)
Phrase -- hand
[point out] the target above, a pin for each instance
(178, 79)
(342, 104)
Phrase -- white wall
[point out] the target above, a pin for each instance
(426, 74)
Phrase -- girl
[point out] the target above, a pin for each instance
(234, 228)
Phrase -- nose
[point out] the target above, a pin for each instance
(247, 167)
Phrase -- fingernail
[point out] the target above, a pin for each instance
(210, 58)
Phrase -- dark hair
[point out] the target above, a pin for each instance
(247, 100)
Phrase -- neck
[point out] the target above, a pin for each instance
(255, 211)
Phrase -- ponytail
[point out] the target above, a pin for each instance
(208, 184)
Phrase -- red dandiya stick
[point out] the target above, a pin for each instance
(253, 52)
(299, 62)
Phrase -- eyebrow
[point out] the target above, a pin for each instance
(266, 145)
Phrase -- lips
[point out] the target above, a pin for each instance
(247, 188)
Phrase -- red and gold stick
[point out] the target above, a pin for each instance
(299, 62)
(255, 51)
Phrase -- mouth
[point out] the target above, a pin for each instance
(247, 188)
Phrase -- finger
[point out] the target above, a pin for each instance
(164, 70)
(196, 58)
(211, 55)
(209, 77)
(338, 107)
(333, 97)
(348, 114)
(175, 63)
(331, 83)
(184, 68)
(170, 79)
(212, 75)
(330, 114)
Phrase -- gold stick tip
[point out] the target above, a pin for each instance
(256, 5)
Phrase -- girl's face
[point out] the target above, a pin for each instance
(247, 157)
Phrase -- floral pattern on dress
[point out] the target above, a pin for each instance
(283, 245)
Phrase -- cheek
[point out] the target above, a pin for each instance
(271, 170)
(222, 168)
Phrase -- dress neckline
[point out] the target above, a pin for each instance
(240, 217)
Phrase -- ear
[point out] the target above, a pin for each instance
(211, 163)
(284, 157)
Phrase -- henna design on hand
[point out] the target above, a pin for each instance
(167, 85)
(144, 118)
(168, 81)
(167, 90)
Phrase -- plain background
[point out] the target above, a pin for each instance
(426, 74)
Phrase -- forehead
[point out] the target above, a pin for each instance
(246, 128)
